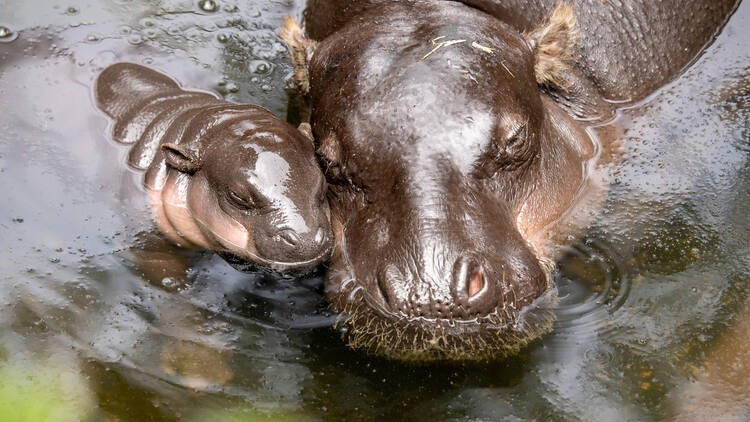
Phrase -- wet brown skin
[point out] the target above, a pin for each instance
(221, 176)
(454, 170)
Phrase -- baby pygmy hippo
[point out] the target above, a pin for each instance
(228, 177)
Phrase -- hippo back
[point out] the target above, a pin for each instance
(627, 47)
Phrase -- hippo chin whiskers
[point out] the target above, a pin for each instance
(424, 340)
(365, 325)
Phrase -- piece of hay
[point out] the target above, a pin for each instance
(441, 45)
(481, 47)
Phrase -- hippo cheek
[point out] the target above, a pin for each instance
(160, 216)
(226, 232)
(176, 212)
(573, 190)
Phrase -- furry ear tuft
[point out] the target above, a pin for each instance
(306, 130)
(553, 43)
(302, 49)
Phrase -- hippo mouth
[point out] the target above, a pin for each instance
(368, 327)
(248, 259)
(365, 324)
(256, 263)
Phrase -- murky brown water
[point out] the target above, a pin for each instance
(646, 295)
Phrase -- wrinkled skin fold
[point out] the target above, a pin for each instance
(452, 139)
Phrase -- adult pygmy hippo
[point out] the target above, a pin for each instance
(221, 176)
(452, 138)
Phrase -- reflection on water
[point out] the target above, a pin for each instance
(646, 295)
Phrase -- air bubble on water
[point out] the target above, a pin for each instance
(207, 5)
(255, 79)
(222, 38)
(135, 39)
(72, 11)
(103, 59)
(92, 38)
(232, 87)
(6, 35)
(266, 88)
(260, 67)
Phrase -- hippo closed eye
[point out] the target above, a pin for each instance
(227, 177)
(452, 140)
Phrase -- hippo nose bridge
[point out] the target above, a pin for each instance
(284, 244)
(315, 240)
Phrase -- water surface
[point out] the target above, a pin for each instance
(647, 293)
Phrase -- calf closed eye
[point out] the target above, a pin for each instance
(516, 137)
(244, 202)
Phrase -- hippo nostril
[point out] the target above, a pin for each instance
(320, 237)
(470, 283)
(289, 237)
(476, 283)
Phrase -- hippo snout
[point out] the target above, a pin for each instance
(286, 245)
(470, 289)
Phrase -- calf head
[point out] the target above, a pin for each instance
(255, 192)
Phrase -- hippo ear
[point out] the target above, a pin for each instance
(306, 130)
(330, 152)
(553, 43)
(302, 49)
(180, 158)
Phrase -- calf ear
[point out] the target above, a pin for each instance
(302, 49)
(553, 43)
(180, 158)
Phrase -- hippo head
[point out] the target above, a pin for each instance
(447, 165)
(255, 192)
